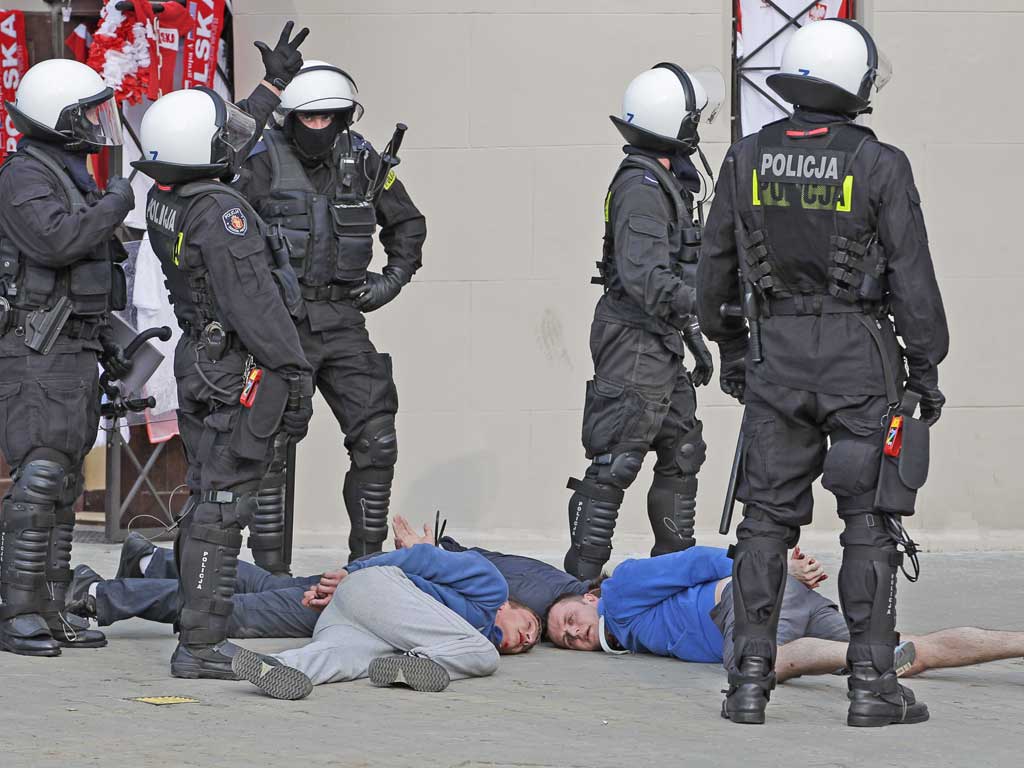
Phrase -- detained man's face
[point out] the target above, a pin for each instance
(520, 628)
(573, 623)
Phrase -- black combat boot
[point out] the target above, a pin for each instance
(749, 691)
(877, 700)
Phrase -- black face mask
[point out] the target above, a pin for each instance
(314, 142)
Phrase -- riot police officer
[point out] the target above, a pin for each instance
(59, 278)
(824, 223)
(240, 370)
(323, 190)
(642, 398)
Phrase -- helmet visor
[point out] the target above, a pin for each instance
(96, 121)
(883, 71)
(713, 83)
(238, 130)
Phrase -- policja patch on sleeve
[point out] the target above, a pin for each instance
(235, 222)
(390, 179)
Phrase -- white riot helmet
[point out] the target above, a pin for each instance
(831, 65)
(663, 107)
(65, 101)
(193, 134)
(321, 88)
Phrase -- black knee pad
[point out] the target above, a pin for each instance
(42, 481)
(618, 469)
(850, 471)
(691, 451)
(377, 444)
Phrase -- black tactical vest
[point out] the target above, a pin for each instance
(684, 234)
(167, 219)
(329, 237)
(815, 242)
(95, 283)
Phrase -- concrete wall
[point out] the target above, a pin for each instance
(509, 153)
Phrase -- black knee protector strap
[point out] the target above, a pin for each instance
(595, 491)
(20, 515)
(377, 444)
(221, 537)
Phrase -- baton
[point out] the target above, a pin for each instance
(730, 492)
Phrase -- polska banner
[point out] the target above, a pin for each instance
(14, 63)
(203, 42)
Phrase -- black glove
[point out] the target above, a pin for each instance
(932, 401)
(284, 62)
(378, 290)
(121, 188)
(703, 362)
(733, 376)
(113, 360)
(295, 420)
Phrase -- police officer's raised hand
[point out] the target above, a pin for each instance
(379, 289)
(121, 188)
(284, 61)
(703, 363)
(733, 377)
(932, 401)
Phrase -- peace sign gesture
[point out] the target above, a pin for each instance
(284, 61)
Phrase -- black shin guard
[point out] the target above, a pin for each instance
(759, 582)
(867, 590)
(671, 507)
(593, 510)
(266, 531)
(367, 494)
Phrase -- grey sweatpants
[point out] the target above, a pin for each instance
(377, 611)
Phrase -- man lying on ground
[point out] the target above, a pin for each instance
(419, 616)
(680, 604)
(267, 606)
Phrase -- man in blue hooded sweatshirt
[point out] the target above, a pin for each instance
(419, 616)
(679, 605)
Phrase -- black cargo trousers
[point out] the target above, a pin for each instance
(641, 399)
(792, 437)
(49, 414)
(229, 449)
(357, 382)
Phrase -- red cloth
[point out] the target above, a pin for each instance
(78, 43)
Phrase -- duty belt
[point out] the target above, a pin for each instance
(816, 304)
(332, 292)
(84, 328)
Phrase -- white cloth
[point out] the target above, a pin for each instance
(154, 307)
(758, 21)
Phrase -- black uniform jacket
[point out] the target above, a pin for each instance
(833, 353)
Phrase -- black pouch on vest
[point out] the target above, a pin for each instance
(90, 286)
(902, 476)
(354, 226)
(254, 434)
